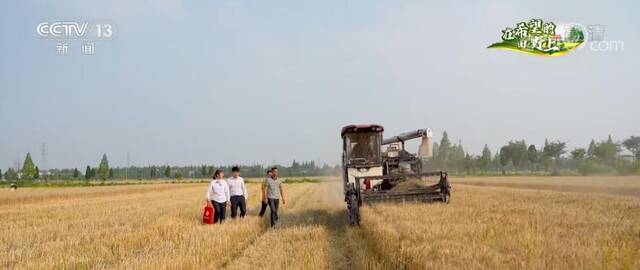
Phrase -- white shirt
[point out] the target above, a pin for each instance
(218, 191)
(237, 187)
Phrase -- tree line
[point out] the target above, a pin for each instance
(553, 157)
(103, 172)
(516, 156)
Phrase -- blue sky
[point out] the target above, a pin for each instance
(243, 82)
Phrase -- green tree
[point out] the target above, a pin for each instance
(607, 151)
(36, 175)
(578, 154)
(495, 162)
(469, 163)
(444, 150)
(103, 168)
(76, 173)
(11, 175)
(532, 155)
(518, 153)
(1, 174)
(633, 145)
(591, 151)
(110, 173)
(551, 152)
(435, 150)
(485, 159)
(28, 168)
(88, 173)
(554, 149)
(204, 171)
(167, 172)
(457, 156)
(505, 157)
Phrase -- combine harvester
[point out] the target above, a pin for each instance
(371, 175)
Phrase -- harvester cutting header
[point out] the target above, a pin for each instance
(371, 174)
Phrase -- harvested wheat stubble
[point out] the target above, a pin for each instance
(620, 185)
(154, 227)
(124, 230)
(488, 228)
(36, 195)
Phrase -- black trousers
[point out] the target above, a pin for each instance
(273, 205)
(220, 210)
(263, 208)
(238, 202)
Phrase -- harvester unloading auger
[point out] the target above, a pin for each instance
(371, 175)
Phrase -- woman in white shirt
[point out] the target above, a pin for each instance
(218, 196)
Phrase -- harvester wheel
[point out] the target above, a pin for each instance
(354, 211)
(446, 198)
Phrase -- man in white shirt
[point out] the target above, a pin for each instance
(238, 192)
(218, 196)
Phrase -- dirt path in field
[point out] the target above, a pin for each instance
(313, 232)
(294, 200)
(627, 191)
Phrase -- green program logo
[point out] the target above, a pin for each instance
(541, 38)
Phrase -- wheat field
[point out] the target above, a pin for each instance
(487, 225)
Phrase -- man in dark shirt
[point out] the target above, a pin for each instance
(263, 207)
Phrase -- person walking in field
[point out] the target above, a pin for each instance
(272, 191)
(238, 192)
(218, 196)
(263, 202)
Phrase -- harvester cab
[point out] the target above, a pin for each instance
(370, 175)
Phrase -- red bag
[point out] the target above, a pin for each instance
(207, 217)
